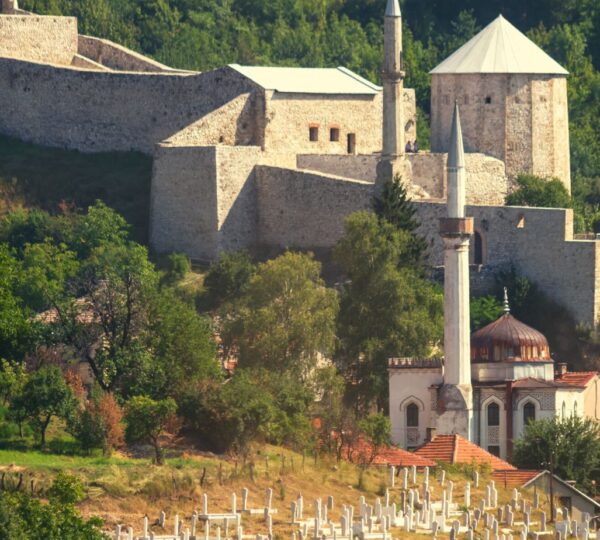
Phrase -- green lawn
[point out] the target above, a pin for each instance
(43, 177)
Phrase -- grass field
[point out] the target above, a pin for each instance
(43, 177)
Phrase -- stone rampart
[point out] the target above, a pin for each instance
(305, 209)
(359, 167)
(203, 199)
(232, 124)
(95, 111)
(38, 39)
(117, 57)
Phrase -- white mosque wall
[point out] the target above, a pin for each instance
(412, 386)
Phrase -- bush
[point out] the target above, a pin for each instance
(227, 278)
(539, 192)
(176, 267)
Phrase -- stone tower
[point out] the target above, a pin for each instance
(455, 397)
(513, 102)
(393, 83)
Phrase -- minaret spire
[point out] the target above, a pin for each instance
(393, 83)
(506, 304)
(455, 400)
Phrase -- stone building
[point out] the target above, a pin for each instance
(271, 158)
(513, 100)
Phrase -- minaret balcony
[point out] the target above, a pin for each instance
(456, 227)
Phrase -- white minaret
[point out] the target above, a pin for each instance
(393, 83)
(455, 400)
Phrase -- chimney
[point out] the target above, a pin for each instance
(561, 368)
(431, 434)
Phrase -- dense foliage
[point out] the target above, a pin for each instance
(563, 445)
(23, 517)
(534, 191)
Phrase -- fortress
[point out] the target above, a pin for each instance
(271, 158)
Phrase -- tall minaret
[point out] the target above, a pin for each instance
(455, 400)
(393, 83)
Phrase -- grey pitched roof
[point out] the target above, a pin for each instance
(456, 152)
(393, 9)
(308, 80)
(500, 48)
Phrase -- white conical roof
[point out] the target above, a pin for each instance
(500, 48)
(392, 9)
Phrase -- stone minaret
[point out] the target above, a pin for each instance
(455, 401)
(393, 83)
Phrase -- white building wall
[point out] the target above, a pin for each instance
(408, 386)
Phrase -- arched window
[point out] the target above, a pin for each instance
(412, 415)
(528, 413)
(477, 249)
(564, 410)
(493, 414)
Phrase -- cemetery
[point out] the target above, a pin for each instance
(415, 503)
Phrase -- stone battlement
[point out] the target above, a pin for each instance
(416, 363)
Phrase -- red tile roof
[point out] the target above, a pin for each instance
(577, 378)
(516, 478)
(388, 455)
(456, 449)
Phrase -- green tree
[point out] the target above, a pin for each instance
(484, 310)
(228, 277)
(394, 206)
(376, 428)
(536, 191)
(12, 380)
(386, 309)
(565, 444)
(147, 421)
(45, 395)
(285, 318)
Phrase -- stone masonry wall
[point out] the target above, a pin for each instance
(306, 210)
(39, 39)
(289, 117)
(232, 124)
(520, 119)
(183, 206)
(486, 178)
(203, 199)
(103, 111)
(116, 56)
(358, 167)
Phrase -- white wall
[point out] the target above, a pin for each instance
(411, 386)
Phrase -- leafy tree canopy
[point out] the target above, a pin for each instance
(536, 191)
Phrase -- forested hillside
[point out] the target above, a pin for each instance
(203, 34)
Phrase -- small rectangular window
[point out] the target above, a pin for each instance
(334, 134)
(488, 100)
(313, 133)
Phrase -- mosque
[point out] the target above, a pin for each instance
(492, 383)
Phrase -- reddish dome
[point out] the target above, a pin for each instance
(509, 340)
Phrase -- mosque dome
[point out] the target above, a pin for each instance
(509, 340)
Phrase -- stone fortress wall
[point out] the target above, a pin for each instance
(520, 119)
(38, 39)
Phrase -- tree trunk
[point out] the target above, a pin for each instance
(158, 453)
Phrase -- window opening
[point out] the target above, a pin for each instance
(412, 415)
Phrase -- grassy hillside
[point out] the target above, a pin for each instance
(34, 176)
(122, 489)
